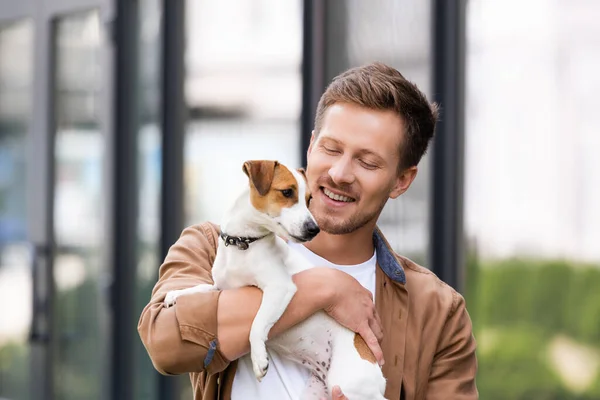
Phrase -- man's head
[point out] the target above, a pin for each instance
(371, 129)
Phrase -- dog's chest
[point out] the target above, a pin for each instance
(233, 273)
(234, 268)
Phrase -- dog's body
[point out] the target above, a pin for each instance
(253, 253)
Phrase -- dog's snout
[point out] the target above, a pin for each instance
(311, 228)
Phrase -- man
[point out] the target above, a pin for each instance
(371, 129)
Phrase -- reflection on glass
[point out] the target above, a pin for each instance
(532, 200)
(243, 89)
(396, 33)
(16, 67)
(149, 177)
(81, 307)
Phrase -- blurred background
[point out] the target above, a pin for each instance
(122, 122)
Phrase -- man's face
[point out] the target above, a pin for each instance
(352, 167)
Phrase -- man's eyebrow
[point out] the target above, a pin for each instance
(329, 139)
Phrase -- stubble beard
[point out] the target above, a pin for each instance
(338, 225)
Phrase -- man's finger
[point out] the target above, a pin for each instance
(378, 319)
(336, 394)
(376, 328)
(373, 344)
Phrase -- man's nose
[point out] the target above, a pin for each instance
(341, 172)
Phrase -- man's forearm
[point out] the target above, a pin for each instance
(238, 307)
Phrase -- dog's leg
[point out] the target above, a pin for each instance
(172, 296)
(277, 294)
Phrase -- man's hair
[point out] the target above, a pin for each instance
(381, 87)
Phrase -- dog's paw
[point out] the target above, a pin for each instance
(204, 288)
(171, 298)
(260, 361)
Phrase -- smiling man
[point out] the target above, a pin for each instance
(371, 130)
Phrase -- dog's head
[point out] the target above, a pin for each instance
(281, 195)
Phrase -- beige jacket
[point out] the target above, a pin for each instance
(428, 343)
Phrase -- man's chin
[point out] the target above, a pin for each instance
(343, 227)
(331, 228)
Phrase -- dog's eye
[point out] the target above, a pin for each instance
(287, 192)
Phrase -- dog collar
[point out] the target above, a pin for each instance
(242, 243)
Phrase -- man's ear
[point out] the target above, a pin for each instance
(403, 181)
(261, 173)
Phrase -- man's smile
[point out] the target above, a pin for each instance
(337, 197)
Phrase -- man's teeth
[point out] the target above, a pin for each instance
(337, 197)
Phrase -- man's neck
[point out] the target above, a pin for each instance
(349, 249)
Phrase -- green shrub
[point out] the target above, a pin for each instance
(517, 306)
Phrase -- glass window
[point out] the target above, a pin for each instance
(397, 33)
(16, 68)
(243, 90)
(532, 197)
(79, 266)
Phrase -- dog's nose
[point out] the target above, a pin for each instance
(311, 228)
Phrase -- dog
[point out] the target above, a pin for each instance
(253, 251)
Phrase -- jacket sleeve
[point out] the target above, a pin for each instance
(183, 338)
(454, 367)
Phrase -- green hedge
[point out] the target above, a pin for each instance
(524, 304)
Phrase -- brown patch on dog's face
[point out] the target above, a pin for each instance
(363, 350)
(273, 187)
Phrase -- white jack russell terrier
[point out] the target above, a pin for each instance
(254, 252)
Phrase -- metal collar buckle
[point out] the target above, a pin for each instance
(242, 243)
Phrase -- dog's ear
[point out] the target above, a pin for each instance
(302, 172)
(261, 174)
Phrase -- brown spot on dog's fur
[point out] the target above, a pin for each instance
(363, 350)
(270, 200)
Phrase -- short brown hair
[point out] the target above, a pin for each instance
(381, 87)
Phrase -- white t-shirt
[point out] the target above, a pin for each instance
(285, 379)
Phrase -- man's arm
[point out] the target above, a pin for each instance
(455, 365)
(204, 331)
(179, 339)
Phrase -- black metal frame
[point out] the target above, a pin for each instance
(125, 197)
(446, 240)
(313, 68)
(41, 230)
(173, 128)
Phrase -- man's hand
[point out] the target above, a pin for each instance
(336, 394)
(351, 305)
(320, 288)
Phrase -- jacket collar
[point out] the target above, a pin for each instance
(386, 259)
